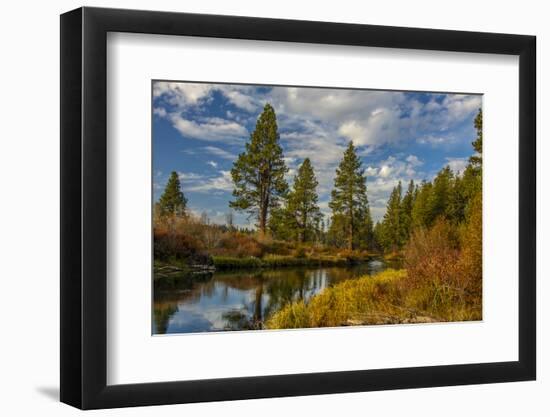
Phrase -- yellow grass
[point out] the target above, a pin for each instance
(385, 298)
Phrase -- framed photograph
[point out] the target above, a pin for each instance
(257, 208)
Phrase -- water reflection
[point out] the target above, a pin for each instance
(240, 300)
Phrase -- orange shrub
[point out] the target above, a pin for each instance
(432, 255)
(169, 245)
(432, 263)
(238, 245)
(472, 248)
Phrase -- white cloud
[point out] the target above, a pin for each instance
(189, 176)
(353, 131)
(371, 171)
(182, 94)
(159, 111)
(385, 171)
(212, 164)
(457, 164)
(413, 160)
(240, 100)
(459, 106)
(212, 129)
(185, 95)
(220, 153)
(336, 105)
(221, 183)
(432, 140)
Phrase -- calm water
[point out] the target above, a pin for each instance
(241, 300)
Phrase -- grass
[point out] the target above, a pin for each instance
(385, 298)
(231, 262)
(279, 261)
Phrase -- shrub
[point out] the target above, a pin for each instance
(169, 246)
(279, 247)
(437, 279)
(470, 261)
(299, 252)
(228, 262)
(238, 245)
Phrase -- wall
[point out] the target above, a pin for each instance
(29, 210)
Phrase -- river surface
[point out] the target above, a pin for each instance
(241, 299)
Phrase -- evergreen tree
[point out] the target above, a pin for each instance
(440, 195)
(392, 224)
(337, 231)
(281, 224)
(378, 237)
(259, 172)
(302, 202)
(457, 200)
(367, 234)
(406, 212)
(322, 231)
(172, 202)
(476, 160)
(421, 209)
(349, 197)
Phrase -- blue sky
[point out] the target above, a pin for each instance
(199, 129)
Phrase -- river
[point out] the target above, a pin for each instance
(241, 299)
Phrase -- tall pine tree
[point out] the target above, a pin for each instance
(391, 225)
(406, 212)
(421, 208)
(349, 202)
(259, 172)
(440, 197)
(172, 202)
(476, 160)
(302, 202)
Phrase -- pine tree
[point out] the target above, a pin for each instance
(302, 201)
(281, 224)
(457, 200)
(440, 195)
(378, 237)
(367, 234)
(391, 225)
(259, 172)
(322, 230)
(337, 231)
(349, 196)
(476, 160)
(172, 202)
(406, 212)
(421, 209)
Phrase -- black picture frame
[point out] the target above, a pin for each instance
(84, 207)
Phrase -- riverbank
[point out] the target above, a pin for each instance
(385, 298)
(226, 263)
(280, 261)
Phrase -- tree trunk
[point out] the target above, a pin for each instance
(263, 216)
(350, 243)
(303, 231)
(258, 304)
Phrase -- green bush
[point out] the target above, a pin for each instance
(228, 262)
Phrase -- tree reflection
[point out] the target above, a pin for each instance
(243, 299)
